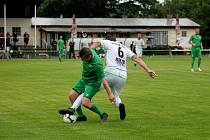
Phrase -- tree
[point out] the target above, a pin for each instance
(98, 8)
(137, 8)
(194, 10)
(81, 8)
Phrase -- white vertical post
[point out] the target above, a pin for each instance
(35, 26)
(5, 28)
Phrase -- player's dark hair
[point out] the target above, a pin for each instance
(85, 52)
(110, 37)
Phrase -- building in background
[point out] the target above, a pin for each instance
(125, 30)
(18, 13)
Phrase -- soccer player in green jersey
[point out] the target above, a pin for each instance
(89, 85)
(115, 69)
(196, 42)
(61, 47)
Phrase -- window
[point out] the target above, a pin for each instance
(16, 30)
(160, 38)
(1, 30)
(184, 33)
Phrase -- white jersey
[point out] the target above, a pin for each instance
(116, 55)
(139, 43)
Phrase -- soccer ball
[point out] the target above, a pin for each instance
(67, 118)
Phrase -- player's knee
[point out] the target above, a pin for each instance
(86, 102)
(73, 95)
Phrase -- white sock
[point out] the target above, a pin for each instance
(117, 101)
(77, 102)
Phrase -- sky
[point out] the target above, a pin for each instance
(157, 0)
(160, 1)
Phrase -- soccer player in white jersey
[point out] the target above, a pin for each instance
(115, 69)
(139, 43)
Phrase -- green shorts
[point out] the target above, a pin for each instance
(89, 89)
(61, 51)
(196, 52)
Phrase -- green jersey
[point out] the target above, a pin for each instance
(60, 44)
(93, 70)
(196, 39)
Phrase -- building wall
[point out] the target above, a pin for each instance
(172, 36)
(25, 25)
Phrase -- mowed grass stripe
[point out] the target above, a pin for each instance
(173, 106)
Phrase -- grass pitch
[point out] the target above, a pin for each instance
(174, 106)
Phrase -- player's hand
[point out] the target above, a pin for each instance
(152, 73)
(111, 98)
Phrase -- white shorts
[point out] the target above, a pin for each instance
(138, 51)
(116, 83)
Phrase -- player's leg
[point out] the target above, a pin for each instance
(76, 103)
(138, 53)
(116, 84)
(117, 90)
(62, 52)
(199, 54)
(192, 64)
(193, 55)
(74, 55)
(75, 97)
(199, 63)
(59, 55)
(69, 53)
(72, 50)
(86, 101)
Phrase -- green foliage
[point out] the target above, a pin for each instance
(81, 8)
(98, 8)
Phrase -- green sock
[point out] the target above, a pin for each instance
(199, 61)
(79, 111)
(193, 61)
(96, 109)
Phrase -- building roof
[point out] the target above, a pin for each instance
(113, 22)
(96, 30)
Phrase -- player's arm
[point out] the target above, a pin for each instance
(95, 44)
(143, 43)
(190, 41)
(108, 90)
(100, 76)
(201, 44)
(144, 66)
